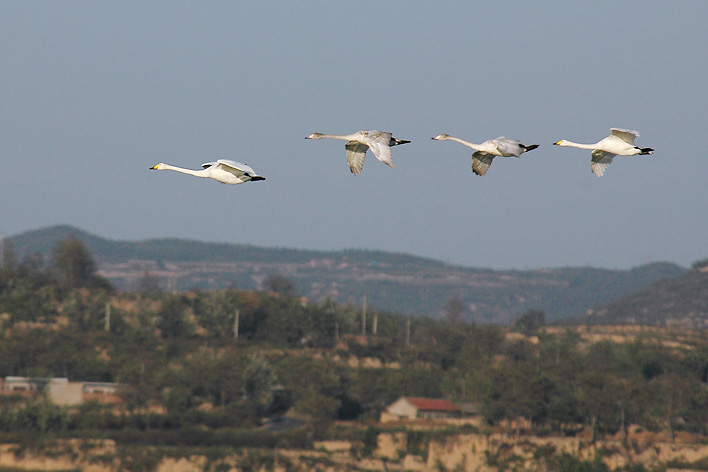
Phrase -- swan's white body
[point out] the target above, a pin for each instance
(223, 170)
(619, 143)
(486, 152)
(379, 142)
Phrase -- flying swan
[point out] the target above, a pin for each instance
(486, 152)
(223, 170)
(379, 142)
(619, 143)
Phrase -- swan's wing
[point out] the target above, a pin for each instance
(378, 142)
(206, 165)
(236, 168)
(600, 161)
(508, 147)
(481, 162)
(378, 136)
(626, 135)
(356, 152)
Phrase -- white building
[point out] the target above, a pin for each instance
(415, 408)
(60, 391)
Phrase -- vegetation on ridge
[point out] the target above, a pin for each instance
(394, 282)
(182, 368)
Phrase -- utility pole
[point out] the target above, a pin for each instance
(107, 318)
(375, 324)
(238, 312)
(363, 317)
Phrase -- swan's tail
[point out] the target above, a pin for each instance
(646, 150)
(530, 147)
(396, 142)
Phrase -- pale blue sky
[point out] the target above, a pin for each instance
(94, 93)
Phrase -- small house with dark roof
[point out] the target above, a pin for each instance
(418, 408)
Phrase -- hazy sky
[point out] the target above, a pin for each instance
(94, 93)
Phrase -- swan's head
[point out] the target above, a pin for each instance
(159, 166)
(562, 142)
(442, 137)
(315, 136)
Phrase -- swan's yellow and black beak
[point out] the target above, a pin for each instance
(557, 143)
(154, 167)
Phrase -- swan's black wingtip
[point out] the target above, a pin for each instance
(396, 141)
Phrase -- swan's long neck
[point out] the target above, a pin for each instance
(579, 145)
(344, 137)
(196, 173)
(474, 146)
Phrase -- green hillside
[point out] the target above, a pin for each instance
(211, 368)
(393, 282)
(680, 301)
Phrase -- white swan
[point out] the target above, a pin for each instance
(223, 170)
(486, 152)
(379, 142)
(620, 142)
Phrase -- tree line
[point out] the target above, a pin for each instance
(181, 364)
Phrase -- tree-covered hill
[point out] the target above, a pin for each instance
(197, 366)
(679, 301)
(391, 281)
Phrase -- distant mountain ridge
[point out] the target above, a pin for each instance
(680, 301)
(391, 281)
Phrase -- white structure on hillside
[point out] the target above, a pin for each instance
(415, 408)
(60, 391)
